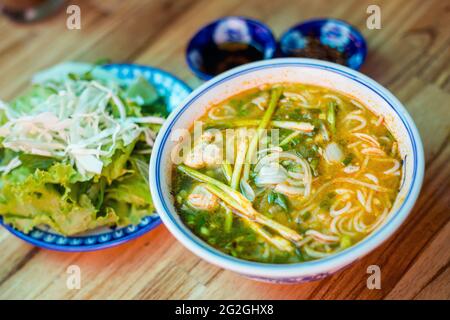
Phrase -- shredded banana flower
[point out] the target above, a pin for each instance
(78, 123)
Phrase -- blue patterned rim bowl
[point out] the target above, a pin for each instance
(333, 33)
(295, 70)
(174, 90)
(229, 29)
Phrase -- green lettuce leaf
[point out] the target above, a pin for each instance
(142, 92)
(117, 163)
(45, 197)
(130, 199)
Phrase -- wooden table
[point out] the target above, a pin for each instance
(409, 55)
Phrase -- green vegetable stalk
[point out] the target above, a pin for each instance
(274, 97)
(239, 203)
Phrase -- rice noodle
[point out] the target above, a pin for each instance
(372, 178)
(303, 242)
(365, 163)
(260, 101)
(344, 209)
(335, 98)
(323, 238)
(351, 169)
(366, 202)
(356, 118)
(364, 184)
(315, 254)
(367, 138)
(360, 226)
(394, 168)
(354, 144)
(369, 201)
(333, 227)
(347, 180)
(348, 227)
(394, 148)
(307, 178)
(300, 104)
(346, 196)
(303, 211)
(373, 151)
(357, 104)
(336, 225)
(343, 191)
(288, 190)
(361, 198)
(296, 96)
(379, 220)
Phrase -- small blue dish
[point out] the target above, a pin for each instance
(333, 33)
(231, 29)
(174, 90)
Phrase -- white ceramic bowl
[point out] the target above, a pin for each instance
(308, 71)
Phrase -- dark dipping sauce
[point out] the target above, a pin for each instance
(316, 50)
(225, 56)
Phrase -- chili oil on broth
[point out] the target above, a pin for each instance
(332, 185)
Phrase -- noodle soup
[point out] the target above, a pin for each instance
(287, 173)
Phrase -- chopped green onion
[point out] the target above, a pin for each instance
(345, 242)
(348, 159)
(204, 231)
(331, 116)
(289, 138)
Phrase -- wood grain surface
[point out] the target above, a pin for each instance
(409, 55)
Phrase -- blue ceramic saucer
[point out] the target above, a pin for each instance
(231, 29)
(330, 32)
(174, 90)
